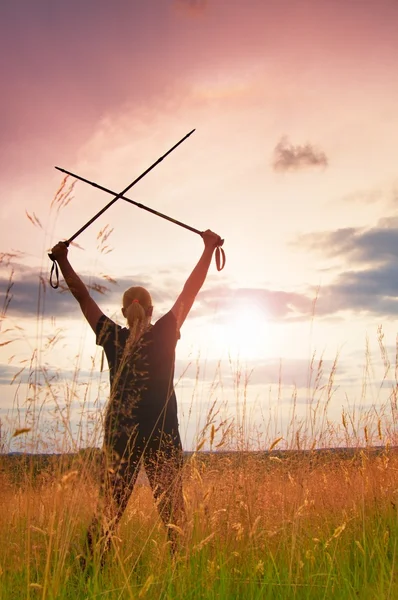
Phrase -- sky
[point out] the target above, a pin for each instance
(292, 162)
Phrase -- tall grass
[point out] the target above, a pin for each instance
(305, 525)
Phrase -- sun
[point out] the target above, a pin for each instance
(245, 334)
(248, 332)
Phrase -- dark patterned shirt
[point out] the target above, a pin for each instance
(141, 374)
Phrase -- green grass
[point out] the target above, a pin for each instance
(256, 528)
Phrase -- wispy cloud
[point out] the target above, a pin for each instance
(297, 372)
(10, 374)
(290, 157)
(364, 196)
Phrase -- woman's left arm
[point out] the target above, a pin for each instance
(197, 278)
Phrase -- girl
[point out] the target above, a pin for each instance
(141, 424)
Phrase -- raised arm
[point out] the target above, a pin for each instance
(196, 279)
(90, 309)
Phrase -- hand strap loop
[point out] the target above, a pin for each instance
(54, 273)
(220, 258)
(54, 268)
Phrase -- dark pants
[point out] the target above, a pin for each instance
(160, 453)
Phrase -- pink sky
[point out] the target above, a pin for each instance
(105, 88)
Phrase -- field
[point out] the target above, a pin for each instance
(259, 525)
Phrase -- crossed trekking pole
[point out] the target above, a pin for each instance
(220, 254)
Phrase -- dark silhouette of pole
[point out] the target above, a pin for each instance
(120, 195)
(54, 268)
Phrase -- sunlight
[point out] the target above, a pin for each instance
(247, 334)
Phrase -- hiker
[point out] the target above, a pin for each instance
(141, 424)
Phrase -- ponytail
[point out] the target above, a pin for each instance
(135, 312)
(137, 304)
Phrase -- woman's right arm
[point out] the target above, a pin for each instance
(89, 307)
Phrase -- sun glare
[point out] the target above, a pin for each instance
(245, 335)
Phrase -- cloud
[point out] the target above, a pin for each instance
(373, 291)
(31, 295)
(378, 244)
(364, 196)
(372, 286)
(369, 284)
(30, 286)
(277, 304)
(45, 374)
(297, 372)
(288, 157)
(58, 94)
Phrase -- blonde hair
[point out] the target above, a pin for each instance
(137, 304)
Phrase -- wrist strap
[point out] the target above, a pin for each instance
(220, 258)
(54, 273)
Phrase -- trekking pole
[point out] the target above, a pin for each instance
(220, 254)
(54, 268)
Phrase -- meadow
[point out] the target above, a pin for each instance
(259, 525)
(312, 514)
